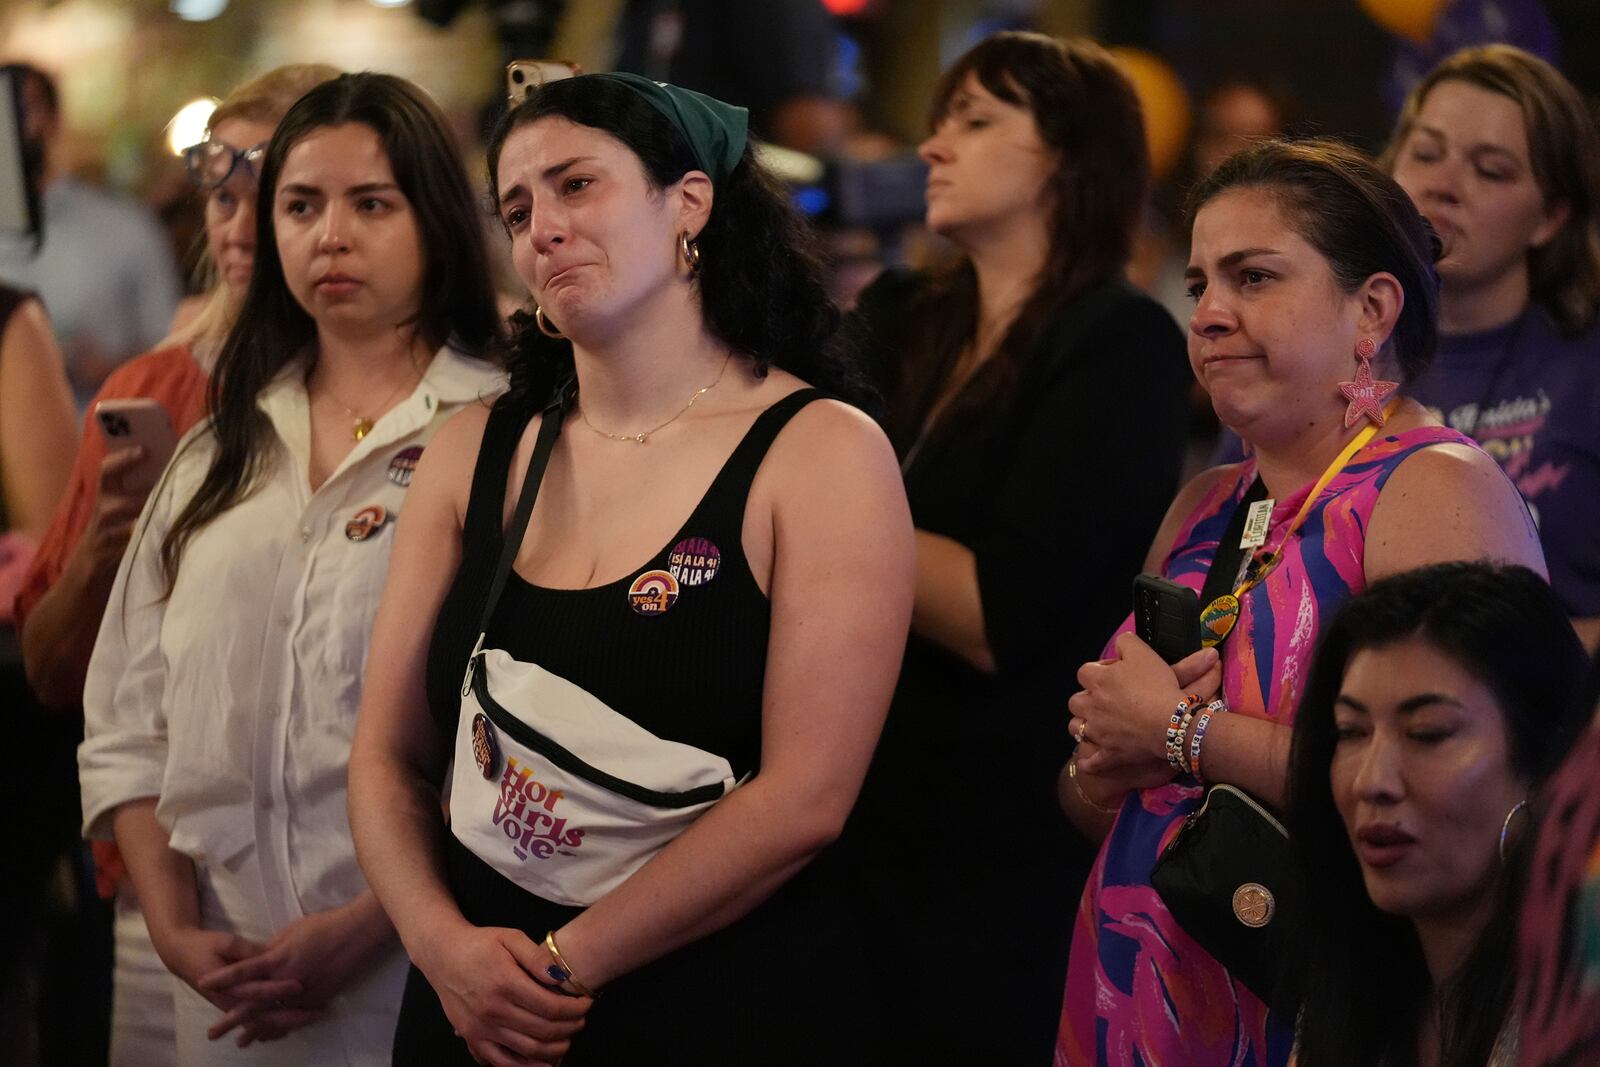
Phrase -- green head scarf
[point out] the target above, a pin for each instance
(716, 132)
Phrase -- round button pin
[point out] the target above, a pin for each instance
(484, 750)
(694, 561)
(653, 593)
(366, 522)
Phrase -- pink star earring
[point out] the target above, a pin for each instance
(1366, 394)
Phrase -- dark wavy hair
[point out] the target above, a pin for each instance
(1357, 217)
(1365, 981)
(1564, 151)
(761, 276)
(273, 330)
(1086, 110)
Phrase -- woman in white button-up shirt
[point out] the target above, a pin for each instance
(222, 695)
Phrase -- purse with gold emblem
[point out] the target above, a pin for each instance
(1232, 880)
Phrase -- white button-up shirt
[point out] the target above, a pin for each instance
(234, 700)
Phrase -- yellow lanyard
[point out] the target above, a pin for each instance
(1218, 617)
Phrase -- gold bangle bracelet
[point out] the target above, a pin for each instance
(571, 979)
(1077, 786)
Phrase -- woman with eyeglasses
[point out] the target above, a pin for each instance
(64, 593)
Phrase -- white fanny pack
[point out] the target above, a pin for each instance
(551, 787)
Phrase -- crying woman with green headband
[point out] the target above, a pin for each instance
(642, 624)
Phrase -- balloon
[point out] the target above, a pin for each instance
(1411, 19)
(1164, 101)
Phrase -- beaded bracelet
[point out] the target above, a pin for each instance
(1183, 731)
(1216, 707)
(1176, 729)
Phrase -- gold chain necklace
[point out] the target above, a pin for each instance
(362, 424)
(641, 438)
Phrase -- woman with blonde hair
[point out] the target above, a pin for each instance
(1501, 154)
(64, 592)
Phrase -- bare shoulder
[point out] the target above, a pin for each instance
(831, 466)
(29, 329)
(1449, 461)
(830, 438)
(1449, 502)
(444, 471)
(454, 446)
(1452, 477)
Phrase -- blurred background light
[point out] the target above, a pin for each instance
(188, 126)
(197, 10)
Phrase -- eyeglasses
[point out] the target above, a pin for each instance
(210, 163)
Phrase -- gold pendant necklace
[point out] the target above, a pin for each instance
(361, 425)
(641, 438)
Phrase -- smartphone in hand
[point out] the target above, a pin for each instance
(138, 421)
(1166, 616)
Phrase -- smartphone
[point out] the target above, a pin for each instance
(138, 421)
(524, 76)
(1166, 616)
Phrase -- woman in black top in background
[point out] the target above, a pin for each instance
(1036, 402)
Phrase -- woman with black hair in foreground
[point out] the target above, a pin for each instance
(1436, 706)
(662, 684)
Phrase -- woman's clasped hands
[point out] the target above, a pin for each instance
(267, 990)
(496, 991)
(1121, 715)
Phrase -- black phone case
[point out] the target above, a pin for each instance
(1166, 616)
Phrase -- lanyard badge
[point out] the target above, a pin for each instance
(1218, 617)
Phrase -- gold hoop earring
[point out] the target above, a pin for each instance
(544, 324)
(690, 251)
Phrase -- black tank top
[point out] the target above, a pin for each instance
(679, 646)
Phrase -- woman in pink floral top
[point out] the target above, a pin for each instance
(1315, 299)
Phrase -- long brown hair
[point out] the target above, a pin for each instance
(1564, 151)
(273, 330)
(1086, 110)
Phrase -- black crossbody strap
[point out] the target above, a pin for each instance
(1225, 564)
(544, 444)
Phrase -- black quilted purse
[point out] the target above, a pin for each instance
(1233, 882)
